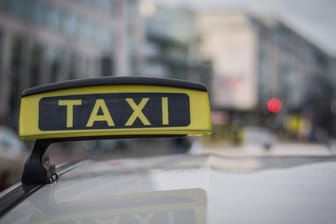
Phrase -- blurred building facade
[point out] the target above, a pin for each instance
(302, 75)
(43, 41)
(173, 46)
(300, 67)
(257, 58)
(229, 39)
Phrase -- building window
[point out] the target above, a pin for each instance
(73, 66)
(38, 12)
(17, 8)
(3, 4)
(69, 24)
(1, 49)
(85, 31)
(15, 63)
(54, 59)
(106, 66)
(54, 18)
(35, 64)
(101, 37)
(101, 5)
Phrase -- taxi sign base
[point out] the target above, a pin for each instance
(38, 168)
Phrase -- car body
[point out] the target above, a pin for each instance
(205, 188)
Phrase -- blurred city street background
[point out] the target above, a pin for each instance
(270, 68)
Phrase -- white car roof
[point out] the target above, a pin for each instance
(187, 189)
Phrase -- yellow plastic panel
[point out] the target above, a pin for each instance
(114, 110)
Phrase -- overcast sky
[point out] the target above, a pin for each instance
(315, 19)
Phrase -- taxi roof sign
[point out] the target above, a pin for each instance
(113, 107)
(107, 108)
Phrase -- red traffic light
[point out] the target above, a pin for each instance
(274, 105)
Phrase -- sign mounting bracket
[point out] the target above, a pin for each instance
(38, 168)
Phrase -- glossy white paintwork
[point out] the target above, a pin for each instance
(187, 189)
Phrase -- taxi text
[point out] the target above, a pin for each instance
(108, 111)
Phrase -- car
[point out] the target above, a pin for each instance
(12, 156)
(259, 136)
(184, 188)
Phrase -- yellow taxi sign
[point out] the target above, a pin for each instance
(116, 106)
